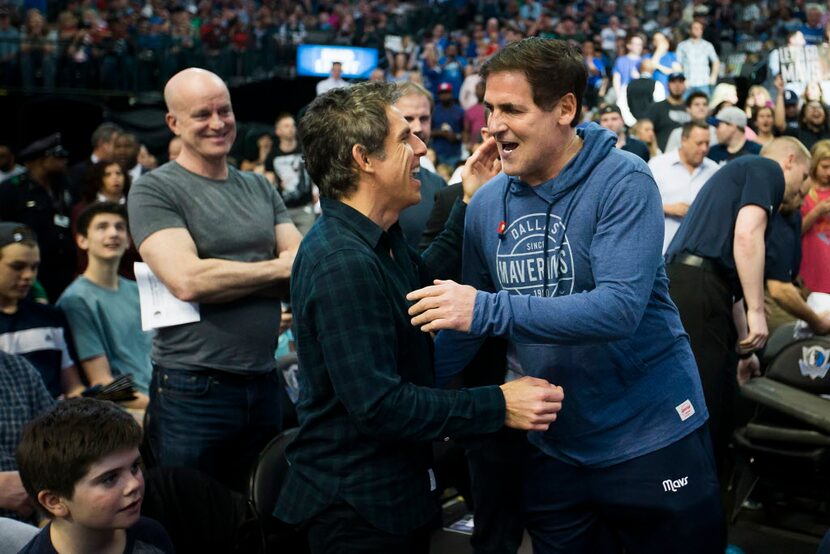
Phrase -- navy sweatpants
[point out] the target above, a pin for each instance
(665, 501)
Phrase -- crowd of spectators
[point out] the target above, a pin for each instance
(127, 45)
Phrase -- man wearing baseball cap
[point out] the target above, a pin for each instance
(790, 110)
(730, 124)
(611, 118)
(27, 328)
(447, 123)
(671, 113)
(40, 199)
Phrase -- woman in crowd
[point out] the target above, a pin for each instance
(644, 130)
(106, 182)
(757, 97)
(399, 68)
(763, 120)
(815, 222)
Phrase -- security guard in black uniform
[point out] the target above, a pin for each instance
(39, 198)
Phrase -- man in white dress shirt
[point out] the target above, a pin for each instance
(681, 173)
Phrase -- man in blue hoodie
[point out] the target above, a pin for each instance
(562, 255)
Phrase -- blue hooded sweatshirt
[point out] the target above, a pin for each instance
(587, 307)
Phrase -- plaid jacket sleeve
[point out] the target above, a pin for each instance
(361, 349)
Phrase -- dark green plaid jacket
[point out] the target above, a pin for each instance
(367, 410)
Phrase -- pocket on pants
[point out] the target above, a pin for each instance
(183, 383)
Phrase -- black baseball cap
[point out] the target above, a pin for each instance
(12, 232)
(677, 75)
(610, 108)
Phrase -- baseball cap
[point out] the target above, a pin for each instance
(677, 75)
(610, 108)
(46, 146)
(729, 114)
(445, 87)
(790, 98)
(12, 232)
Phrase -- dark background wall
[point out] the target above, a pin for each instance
(26, 118)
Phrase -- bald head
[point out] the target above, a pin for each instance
(200, 113)
(783, 147)
(189, 82)
(794, 159)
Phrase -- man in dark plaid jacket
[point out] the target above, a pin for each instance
(360, 468)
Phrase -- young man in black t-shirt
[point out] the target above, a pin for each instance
(293, 182)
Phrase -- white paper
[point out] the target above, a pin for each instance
(159, 308)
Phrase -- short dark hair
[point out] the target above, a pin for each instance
(334, 123)
(94, 180)
(693, 124)
(696, 94)
(104, 133)
(57, 448)
(630, 35)
(96, 208)
(553, 68)
(283, 115)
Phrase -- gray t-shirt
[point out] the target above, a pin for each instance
(230, 219)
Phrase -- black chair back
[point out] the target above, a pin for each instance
(268, 474)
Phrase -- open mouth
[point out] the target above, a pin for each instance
(508, 147)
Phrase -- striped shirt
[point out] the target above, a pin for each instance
(38, 333)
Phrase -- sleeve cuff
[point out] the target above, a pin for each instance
(490, 408)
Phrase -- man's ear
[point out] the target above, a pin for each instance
(361, 158)
(81, 241)
(568, 106)
(172, 122)
(53, 503)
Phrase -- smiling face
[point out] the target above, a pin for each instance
(106, 237)
(19, 263)
(396, 170)
(109, 496)
(814, 114)
(201, 114)
(528, 137)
